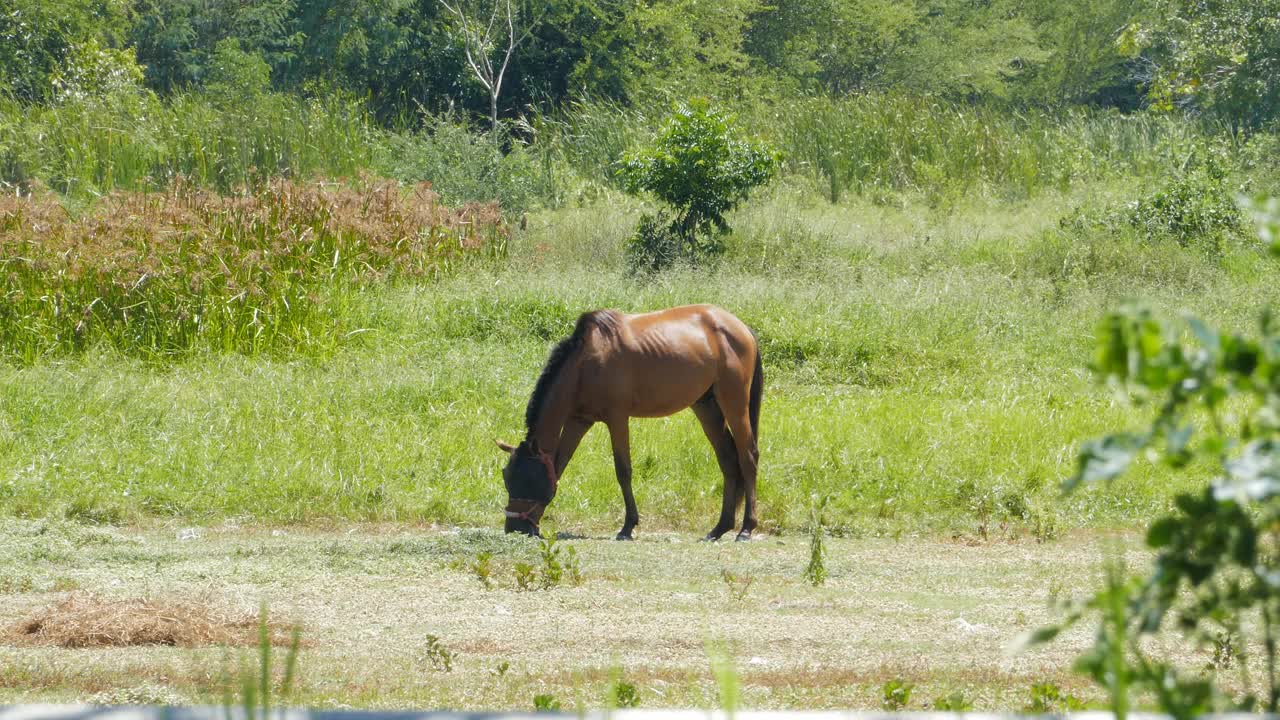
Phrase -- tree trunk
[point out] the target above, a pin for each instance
(493, 111)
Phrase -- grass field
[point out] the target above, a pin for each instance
(925, 368)
(937, 613)
(926, 356)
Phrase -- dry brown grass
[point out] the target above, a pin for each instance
(85, 620)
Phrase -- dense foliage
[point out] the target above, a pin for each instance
(405, 55)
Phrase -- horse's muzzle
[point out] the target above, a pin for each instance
(523, 516)
(522, 526)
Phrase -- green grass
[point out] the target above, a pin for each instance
(925, 369)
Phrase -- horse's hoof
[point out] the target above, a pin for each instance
(744, 536)
(624, 536)
(713, 536)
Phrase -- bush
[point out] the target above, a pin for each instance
(1197, 207)
(703, 170)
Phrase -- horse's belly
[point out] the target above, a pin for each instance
(668, 395)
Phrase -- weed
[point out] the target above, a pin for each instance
(737, 584)
(549, 553)
(624, 694)
(955, 702)
(10, 584)
(1044, 526)
(65, 584)
(500, 670)
(726, 675)
(162, 274)
(437, 655)
(546, 702)
(483, 570)
(895, 694)
(1226, 650)
(1047, 697)
(257, 687)
(816, 572)
(526, 576)
(572, 566)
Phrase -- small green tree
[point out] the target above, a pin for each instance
(702, 169)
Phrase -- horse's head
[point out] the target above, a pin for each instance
(530, 477)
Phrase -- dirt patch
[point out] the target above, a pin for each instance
(84, 620)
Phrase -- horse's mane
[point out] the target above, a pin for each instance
(605, 320)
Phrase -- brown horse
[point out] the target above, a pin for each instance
(615, 367)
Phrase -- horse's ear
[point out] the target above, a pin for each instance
(505, 447)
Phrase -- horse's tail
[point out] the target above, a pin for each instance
(757, 393)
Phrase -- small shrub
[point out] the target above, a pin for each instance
(545, 702)
(1197, 207)
(895, 694)
(702, 170)
(437, 655)
(657, 245)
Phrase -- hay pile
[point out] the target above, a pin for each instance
(84, 620)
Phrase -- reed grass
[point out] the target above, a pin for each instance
(162, 274)
(87, 148)
(882, 143)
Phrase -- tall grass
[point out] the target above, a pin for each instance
(872, 143)
(161, 274)
(886, 142)
(89, 147)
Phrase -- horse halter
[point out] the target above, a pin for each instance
(533, 513)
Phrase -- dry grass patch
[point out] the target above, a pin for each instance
(84, 620)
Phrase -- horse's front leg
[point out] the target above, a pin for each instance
(572, 434)
(620, 435)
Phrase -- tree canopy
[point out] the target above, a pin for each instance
(1218, 58)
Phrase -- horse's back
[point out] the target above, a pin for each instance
(660, 362)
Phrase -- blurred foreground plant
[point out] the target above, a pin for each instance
(1216, 571)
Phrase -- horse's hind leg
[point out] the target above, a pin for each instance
(734, 402)
(713, 425)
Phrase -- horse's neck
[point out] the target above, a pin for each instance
(556, 408)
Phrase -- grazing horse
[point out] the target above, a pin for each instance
(615, 367)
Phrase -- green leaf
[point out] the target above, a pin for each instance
(1162, 531)
(1252, 477)
(1105, 459)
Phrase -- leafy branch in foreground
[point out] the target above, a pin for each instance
(1216, 571)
